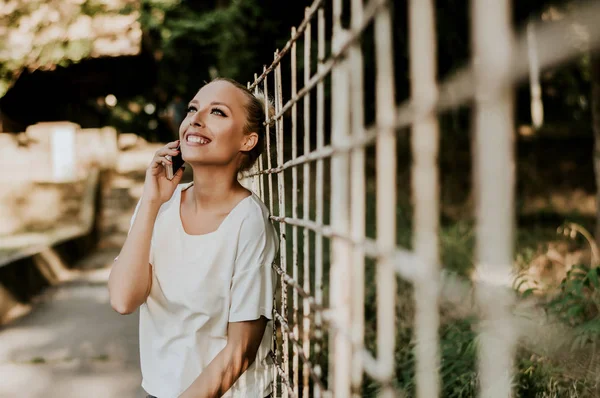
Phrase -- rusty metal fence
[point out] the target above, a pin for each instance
(322, 230)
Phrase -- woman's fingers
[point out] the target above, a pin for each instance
(173, 144)
(163, 156)
(159, 162)
(166, 151)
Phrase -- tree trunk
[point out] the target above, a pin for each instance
(595, 101)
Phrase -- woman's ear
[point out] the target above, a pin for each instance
(250, 140)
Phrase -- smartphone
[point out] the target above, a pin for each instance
(177, 162)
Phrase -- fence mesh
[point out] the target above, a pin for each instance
(317, 188)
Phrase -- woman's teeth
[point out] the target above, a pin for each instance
(196, 139)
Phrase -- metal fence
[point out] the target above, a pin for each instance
(322, 230)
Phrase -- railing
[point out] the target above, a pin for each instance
(500, 59)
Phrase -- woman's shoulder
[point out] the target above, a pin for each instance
(256, 227)
(257, 210)
(255, 215)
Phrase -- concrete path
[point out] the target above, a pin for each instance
(72, 344)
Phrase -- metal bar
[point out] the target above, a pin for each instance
(340, 351)
(270, 187)
(305, 215)
(319, 194)
(386, 199)
(294, 214)
(457, 90)
(324, 153)
(555, 44)
(358, 206)
(253, 183)
(407, 264)
(369, 246)
(494, 184)
(268, 139)
(350, 37)
(285, 381)
(287, 279)
(281, 194)
(316, 5)
(371, 365)
(558, 42)
(424, 140)
(294, 339)
(370, 10)
(261, 178)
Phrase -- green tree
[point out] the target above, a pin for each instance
(193, 42)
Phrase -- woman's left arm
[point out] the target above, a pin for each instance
(243, 341)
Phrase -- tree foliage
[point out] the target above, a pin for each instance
(44, 34)
(194, 42)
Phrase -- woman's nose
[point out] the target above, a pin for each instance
(197, 120)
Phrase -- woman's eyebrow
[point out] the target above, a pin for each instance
(212, 103)
(220, 103)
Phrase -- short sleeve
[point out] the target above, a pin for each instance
(253, 282)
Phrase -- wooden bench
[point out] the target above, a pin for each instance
(27, 244)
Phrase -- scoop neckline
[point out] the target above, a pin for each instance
(180, 221)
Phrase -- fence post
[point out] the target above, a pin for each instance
(282, 208)
(494, 184)
(339, 277)
(425, 193)
(319, 196)
(386, 200)
(306, 210)
(294, 78)
(358, 203)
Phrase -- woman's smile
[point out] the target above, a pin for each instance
(195, 139)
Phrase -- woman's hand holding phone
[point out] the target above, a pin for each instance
(157, 187)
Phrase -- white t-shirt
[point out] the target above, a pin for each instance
(200, 284)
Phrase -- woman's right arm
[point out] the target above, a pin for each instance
(130, 279)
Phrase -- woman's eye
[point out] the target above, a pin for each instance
(191, 109)
(218, 112)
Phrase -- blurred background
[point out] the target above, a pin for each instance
(89, 89)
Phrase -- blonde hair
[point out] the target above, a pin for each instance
(255, 120)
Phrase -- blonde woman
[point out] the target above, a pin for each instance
(197, 259)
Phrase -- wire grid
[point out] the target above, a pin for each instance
(501, 61)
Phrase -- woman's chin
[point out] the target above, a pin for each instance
(199, 162)
(194, 158)
(194, 162)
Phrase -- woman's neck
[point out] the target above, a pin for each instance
(213, 187)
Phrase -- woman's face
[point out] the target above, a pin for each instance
(212, 132)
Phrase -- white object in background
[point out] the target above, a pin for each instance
(63, 153)
(537, 106)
